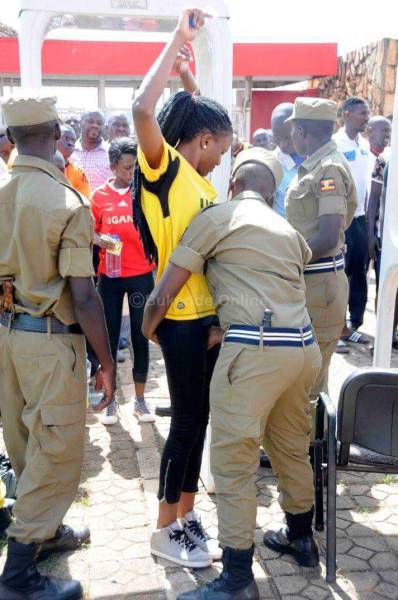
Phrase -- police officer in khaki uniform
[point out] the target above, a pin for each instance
(320, 204)
(254, 262)
(47, 301)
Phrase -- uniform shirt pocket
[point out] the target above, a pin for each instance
(300, 200)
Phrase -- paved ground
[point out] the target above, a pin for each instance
(117, 499)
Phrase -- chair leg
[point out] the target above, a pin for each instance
(318, 476)
(318, 460)
(331, 504)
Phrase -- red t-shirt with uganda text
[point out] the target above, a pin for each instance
(112, 212)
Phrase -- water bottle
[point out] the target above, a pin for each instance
(113, 258)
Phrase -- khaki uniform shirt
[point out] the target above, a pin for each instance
(253, 260)
(46, 236)
(323, 186)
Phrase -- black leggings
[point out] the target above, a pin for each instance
(112, 293)
(189, 367)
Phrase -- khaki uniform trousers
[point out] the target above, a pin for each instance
(43, 401)
(258, 396)
(327, 299)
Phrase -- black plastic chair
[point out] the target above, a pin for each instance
(362, 435)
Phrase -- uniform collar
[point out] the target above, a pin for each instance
(315, 158)
(43, 165)
(249, 195)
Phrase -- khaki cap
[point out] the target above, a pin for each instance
(263, 157)
(29, 108)
(315, 109)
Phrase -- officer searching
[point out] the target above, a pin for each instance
(243, 287)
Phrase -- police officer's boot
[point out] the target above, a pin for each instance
(296, 539)
(236, 581)
(22, 581)
(66, 539)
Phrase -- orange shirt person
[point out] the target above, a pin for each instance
(74, 173)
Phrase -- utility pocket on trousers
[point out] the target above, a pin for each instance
(61, 436)
(63, 414)
(235, 425)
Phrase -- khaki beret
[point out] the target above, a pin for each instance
(29, 108)
(315, 109)
(263, 157)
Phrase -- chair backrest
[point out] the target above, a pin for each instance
(367, 412)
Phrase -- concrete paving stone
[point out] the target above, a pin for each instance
(282, 567)
(366, 502)
(149, 463)
(103, 554)
(386, 528)
(178, 582)
(388, 590)
(357, 490)
(99, 570)
(136, 550)
(358, 530)
(293, 584)
(364, 582)
(315, 593)
(98, 590)
(384, 561)
(376, 543)
(343, 545)
(351, 563)
(362, 553)
(390, 577)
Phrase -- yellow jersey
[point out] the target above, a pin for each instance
(171, 196)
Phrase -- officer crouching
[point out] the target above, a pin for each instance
(254, 262)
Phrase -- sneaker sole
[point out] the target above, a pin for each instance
(113, 422)
(141, 420)
(303, 561)
(183, 563)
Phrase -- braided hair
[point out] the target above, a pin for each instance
(181, 119)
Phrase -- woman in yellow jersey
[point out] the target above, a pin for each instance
(176, 152)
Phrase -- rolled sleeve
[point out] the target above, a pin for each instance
(187, 258)
(332, 205)
(76, 262)
(75, 254)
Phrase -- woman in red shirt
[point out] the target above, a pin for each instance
(111, 206)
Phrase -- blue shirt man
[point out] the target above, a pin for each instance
(284, 151)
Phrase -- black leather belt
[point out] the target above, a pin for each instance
(24, 322)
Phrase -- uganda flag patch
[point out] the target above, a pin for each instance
(328, 185)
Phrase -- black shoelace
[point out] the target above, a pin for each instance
(197, 529)
(181, 538)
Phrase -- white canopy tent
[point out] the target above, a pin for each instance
(213, 47)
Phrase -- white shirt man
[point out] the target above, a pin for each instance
(358, 155)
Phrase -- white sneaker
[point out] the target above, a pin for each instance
(109, 416)
(173, 544)
(197, 533)
(142, 412)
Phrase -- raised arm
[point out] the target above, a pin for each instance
(144, 106)
(181, 66)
